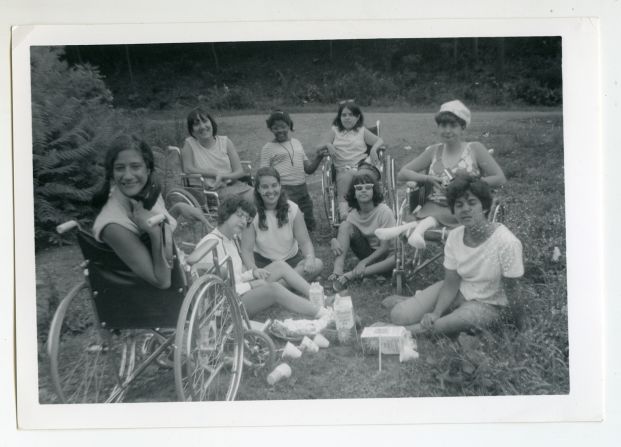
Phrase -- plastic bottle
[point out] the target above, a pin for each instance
(316, 294)
(344, 316)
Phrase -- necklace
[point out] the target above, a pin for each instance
(475, 236)
(290, 154)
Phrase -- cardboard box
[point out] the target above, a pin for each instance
(390, 337)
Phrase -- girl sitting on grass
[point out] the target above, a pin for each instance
(442, 162)
(259, 288)
(358, 233)
(482, 261)
(347, 144)
(287, 156)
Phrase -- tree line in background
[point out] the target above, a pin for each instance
(382, 72)
(81, 95)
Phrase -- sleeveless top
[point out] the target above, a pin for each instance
(216, 157)
(118, 210)
(466, 164)
(276, 243)
(350, 147)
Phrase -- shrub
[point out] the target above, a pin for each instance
(71, 116)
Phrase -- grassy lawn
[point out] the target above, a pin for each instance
(530, 360)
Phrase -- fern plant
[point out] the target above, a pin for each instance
(72, 122)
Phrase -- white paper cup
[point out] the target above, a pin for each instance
(308, 345)
(282, 371)
(321, 341)
(291, 352)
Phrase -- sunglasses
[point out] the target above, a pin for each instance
(364, 187)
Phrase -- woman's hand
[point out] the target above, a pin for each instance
(428, 320)
(260, 273)
(435, 181)
(218, 181)
(336, 248)
(358, 271)
(140, 215)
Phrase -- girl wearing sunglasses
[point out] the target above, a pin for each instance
(357, 233)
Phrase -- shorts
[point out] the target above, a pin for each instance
(262, 261)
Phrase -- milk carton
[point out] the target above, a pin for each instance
(344, 318)
(316, 294)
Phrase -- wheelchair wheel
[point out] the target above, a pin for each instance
(209, 343)
(498, 213)
(87, 362)
(328, 188)
(259, 350)
(188, 231)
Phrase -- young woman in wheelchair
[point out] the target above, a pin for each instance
(128, 198)
(357, 232)
(213, 156)
(443, 161)
(259, 288)
(482, 260)
(347, 144)
(278, 232)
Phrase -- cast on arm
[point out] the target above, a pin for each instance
(491, 172)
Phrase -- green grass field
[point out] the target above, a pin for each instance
(530, 360)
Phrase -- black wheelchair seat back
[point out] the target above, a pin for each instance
(125, 301)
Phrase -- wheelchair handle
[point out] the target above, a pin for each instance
(156, 220)
(66, 226)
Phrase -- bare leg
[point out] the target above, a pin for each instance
(343, 237)
(266, 295)
(471, 314)
(343, 180)
(383, 266)
(417, 238)
(411, 311)
(317, 269)
(280, 270)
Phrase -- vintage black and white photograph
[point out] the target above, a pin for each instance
(314, 201)
(295, 220)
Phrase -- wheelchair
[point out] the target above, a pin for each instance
(409, 266)
(328, 181)
(194, 189)
(111, 327)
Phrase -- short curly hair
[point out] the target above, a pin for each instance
(230, 207)
(279, 115)
(463, 184)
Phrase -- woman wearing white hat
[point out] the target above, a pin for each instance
(441, 162)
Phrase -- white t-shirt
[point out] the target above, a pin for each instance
(277, 244)
(225, 247)
(482, 268)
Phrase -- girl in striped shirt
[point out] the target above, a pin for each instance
(287, 156)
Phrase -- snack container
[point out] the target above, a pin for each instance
(308, 345)
(291, 352)
(316, 294)
(321, 341)
(344, 316)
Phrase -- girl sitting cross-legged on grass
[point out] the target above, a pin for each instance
(358, 232)
(482, 262)
(287, 156)
(259, 288)
(442, 162)
(347, 144)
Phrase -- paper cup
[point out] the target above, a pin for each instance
(308, 345)
(291, 352)
(282, 371)
(321, 341)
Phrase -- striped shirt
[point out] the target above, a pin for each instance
(287, 158)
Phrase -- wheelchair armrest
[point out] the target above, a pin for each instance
(174, 149)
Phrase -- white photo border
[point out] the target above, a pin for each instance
(581, 125)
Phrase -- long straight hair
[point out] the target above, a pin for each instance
(282, 206)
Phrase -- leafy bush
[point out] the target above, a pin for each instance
(72, 120)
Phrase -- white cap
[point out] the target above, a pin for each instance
(457, 108)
